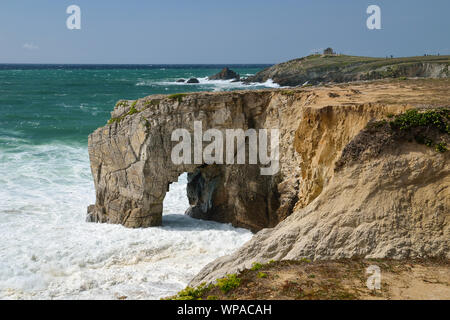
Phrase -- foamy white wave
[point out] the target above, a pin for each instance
(269, 84)
(147, 83)
(215, 85)
(48, 251)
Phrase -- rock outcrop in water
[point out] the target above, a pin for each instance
(342, 191)
(193, 80)
(225, 74)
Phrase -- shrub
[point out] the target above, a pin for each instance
(113, 120)
(441, 147)
(262, 275)
(190, 293)
(288, 92)
(413, 118)
(228, 283)
(256, 266)
(418, 123)
(133, 110)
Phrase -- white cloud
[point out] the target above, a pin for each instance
(30, 46)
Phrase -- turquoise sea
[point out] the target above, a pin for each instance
(47, 250)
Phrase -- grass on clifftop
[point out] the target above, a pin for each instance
(360, 63)
(225, 285)
(345, 68)
(327, 280)
(133, 109)
(177, 96)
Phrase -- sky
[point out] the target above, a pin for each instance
(212, 31)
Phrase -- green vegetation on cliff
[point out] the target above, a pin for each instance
(330, 280)
(343, 68)
(225, 285)
(425, 126)
(177, 96)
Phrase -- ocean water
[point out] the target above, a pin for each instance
(47, 250)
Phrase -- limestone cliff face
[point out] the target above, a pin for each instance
(390, 200)
(132, 167)
(395, 206)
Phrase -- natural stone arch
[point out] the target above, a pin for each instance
(132, 167)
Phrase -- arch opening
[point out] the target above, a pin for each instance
(176, 200)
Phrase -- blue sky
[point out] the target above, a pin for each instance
(210, 31)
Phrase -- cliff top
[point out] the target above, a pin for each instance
(342, 68)
(386, 91)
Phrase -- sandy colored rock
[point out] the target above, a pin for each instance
(132, 167)
(389, 202)
(392, 202)
(344, 279)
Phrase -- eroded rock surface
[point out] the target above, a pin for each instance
(390, 201)
(362, 195)
(225, 74)
(132, 167)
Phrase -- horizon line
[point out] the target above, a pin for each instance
(135, 64)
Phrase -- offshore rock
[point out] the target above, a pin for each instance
(225, 74)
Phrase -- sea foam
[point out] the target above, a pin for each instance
(210, 85)
(48, 251)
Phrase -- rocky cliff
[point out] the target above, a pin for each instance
(318, 68)
(347, 186)
(132, 167)
(364, 192)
